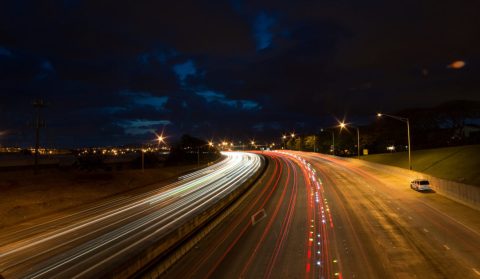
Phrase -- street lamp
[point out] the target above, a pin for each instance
(284, 137)
(333, 140)
(160, 139)
(403, 119)
(343, 125)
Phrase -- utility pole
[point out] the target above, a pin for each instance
(358, 143)
(143, 159)
(198, 155)
(333, 143)
(406, 120)
(38, 105)
(409, 145)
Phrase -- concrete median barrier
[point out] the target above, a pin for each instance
(168, 249)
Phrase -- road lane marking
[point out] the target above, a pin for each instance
(425, 230)
(410, 217)
(476, 271)
(255, 219)
(446, 247)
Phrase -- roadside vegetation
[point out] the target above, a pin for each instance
(93, 176)
(459, 163)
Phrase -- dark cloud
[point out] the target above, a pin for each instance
(113, 72)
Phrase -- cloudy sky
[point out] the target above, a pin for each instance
(114, 72)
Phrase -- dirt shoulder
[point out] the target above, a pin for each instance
(25, 196)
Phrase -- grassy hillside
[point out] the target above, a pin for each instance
(460, 163)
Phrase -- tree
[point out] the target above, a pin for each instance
(311, 143)
(190, 150)
(91, 161)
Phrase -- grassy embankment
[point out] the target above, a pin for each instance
(24, 196)
(460, 163)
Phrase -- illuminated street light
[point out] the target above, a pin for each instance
(344, 125)
(403, 119)
(293, 135)
(210, 143)
(284, 137)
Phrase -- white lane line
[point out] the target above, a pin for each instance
(446, 247)
(410, 217)
(476, 271)
(425, 230)
(257, 217)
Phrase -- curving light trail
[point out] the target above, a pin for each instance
(101, 237)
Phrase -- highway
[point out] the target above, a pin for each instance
(275, 232)
(383, 229)
(95, 241)
(317, 216)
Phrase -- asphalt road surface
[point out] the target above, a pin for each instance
(384, 229)
(315, 216)
(93, 242)
(276, 232)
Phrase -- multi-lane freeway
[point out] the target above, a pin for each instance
(383, 229)
(317, 216)
(308, 216)
(95, 241)
(277, 231)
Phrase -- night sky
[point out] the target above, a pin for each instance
(114, 72)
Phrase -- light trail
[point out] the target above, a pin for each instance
(284, 231)
(318, 258)
(95, 240)
(267, 229)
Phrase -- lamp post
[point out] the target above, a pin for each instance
(160, 139)
(143, 160)
(333, 141)
(343, 125)
(403, 119)
(284, 137)
(293, 137)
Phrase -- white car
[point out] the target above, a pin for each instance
(420, 185)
